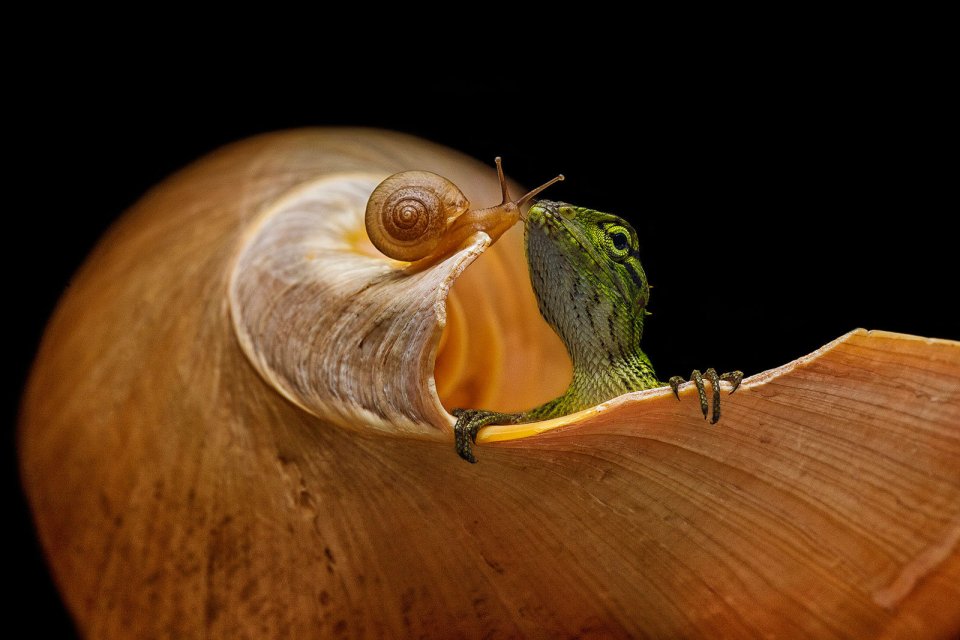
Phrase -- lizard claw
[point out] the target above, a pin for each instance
(675, 383)
(469, 423)
(734, 377)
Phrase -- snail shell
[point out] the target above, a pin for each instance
(408, 213)
(236, 426)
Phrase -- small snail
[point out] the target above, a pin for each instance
(421, 216)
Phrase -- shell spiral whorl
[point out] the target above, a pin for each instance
(409, 213)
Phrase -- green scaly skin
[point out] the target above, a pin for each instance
(591, 288)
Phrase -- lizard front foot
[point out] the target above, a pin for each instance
(470, 421)
(734, 377)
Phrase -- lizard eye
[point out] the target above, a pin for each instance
(618, 242)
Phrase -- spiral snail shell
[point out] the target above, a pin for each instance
(422, 216)
(237, 426)
(409, 211)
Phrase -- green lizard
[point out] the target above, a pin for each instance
(590, 287)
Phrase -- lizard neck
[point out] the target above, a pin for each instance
(592, 385)
(603, 338)
(609, 362)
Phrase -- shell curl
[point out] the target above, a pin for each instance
(195, 470)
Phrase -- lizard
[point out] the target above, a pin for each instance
(592, 290)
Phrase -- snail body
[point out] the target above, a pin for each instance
(422, 216)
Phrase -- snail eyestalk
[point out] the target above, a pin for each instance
(522, 201)
(508, 201)
(504, 189)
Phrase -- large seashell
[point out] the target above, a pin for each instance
(235, 428)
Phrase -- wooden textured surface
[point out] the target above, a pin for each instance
(178, 494)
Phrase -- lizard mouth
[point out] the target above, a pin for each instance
(544, 213)
(548, 217)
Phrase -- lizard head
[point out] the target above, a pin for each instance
(581, 259)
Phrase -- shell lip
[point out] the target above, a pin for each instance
(523, 431)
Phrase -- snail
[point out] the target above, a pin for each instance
(237, 425)
(419, 215)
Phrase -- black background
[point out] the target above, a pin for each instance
(778, 205)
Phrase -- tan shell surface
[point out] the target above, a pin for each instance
(192, 474)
